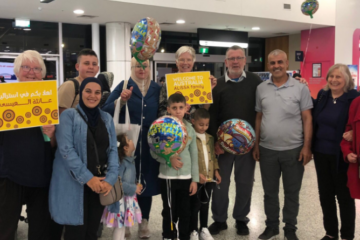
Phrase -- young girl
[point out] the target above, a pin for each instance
(126, 212)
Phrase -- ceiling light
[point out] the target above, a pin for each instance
(180, 21)
(255, 28)
(222, 44)
(79, 11)
(62, 45)
(162, 50)
(27, 29)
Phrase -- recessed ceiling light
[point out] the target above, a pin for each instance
(180, 21)
(62, 45)
(255, 28)
(79, 11)
(162, 50)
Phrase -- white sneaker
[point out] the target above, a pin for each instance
(205, 234)
(194, 235)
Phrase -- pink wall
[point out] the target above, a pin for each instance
(321, 49)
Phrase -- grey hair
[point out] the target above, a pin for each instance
(32, 56)
(185, 49)
(345, 72)
(277, 52)
(235, 47)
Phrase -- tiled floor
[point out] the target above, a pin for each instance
(309, 220)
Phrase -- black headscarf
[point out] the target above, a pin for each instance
(92, 114)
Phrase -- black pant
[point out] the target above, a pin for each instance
(200, 203)
(13, 196)
(145, 206)
(93, 211)
(332, 182)
(180, 204)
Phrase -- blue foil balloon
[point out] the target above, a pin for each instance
(309, 7)
(236, 136)
(167, 136)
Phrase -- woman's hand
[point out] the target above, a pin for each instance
(188, 106)
(139, 188)
(126, 94)
(49, 130)
(105, 188)
(213, 81)
(352, 157)
(95, 184)
(348, 136)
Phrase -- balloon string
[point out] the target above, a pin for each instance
(306, 50)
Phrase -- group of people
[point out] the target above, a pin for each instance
(60, 180)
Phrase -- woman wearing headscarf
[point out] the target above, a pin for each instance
(78, 175)
(26, 165)
(142, 97)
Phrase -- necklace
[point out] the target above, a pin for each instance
(334, 100)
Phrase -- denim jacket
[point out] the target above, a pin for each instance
(70, 173)
(127, 172)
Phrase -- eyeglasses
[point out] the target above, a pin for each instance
(28, 69)
(140, 67)
(182, 60)
(235, 58)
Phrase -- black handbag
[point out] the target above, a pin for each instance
(116, 192)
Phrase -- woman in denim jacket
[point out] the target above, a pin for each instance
(76, 181)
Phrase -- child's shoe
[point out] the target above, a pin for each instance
(205, 234)
(144, 231)
(194, 235)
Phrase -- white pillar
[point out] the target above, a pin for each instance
(118, 50)
(61, 57)
(95, 33)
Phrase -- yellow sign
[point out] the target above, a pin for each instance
(195, 86)
(28, 104)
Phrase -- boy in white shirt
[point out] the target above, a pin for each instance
(208, 172)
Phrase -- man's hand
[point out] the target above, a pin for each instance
(126, 94)
(352, 157)
(218, 149)
(139, 188)
(193, 188)
(305, 155)
(176, 162)
(188, 106)
(256, 153)
(213, 81)
(218, 177)
(348, 136)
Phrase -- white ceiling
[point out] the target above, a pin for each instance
(109, 11)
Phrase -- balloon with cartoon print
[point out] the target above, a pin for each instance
(309, 7)
(145, 39)
(167, 136)
(236, 136)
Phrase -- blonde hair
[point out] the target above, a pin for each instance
(185, 49)
(345, 72)
(32, 56)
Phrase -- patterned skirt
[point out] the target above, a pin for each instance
(129, 214)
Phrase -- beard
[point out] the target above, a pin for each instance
(235, 71)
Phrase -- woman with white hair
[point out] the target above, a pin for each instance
(26, 165)
(185, 58)
(330, 115)
(142, 97)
